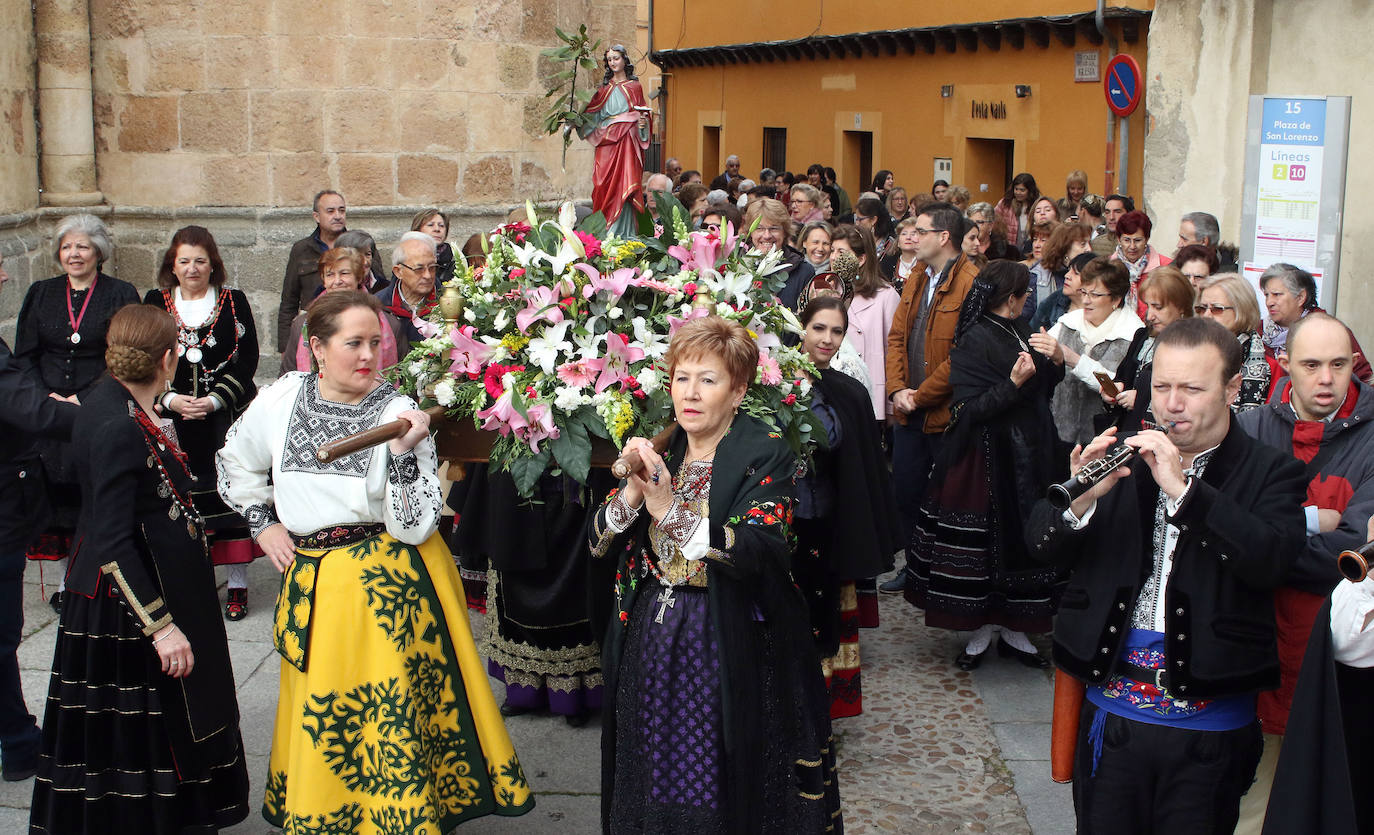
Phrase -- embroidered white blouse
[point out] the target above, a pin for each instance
(268, 471)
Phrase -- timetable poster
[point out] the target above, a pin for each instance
(1292, 140)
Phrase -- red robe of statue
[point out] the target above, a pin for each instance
(620, 148)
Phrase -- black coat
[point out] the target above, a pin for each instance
(42, 344)
(1326, 761)
(135, 534)
(1240, 529)
(775, 710)
(863, 530)
(26, 411)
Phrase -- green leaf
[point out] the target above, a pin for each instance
(526, 470)
(593, 422)
(572, 449)
(562, 35)
(594, 224)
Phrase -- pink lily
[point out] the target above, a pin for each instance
(616, 283)
(540, 303)
(532, 427)
(468, 354)
(675, 322)
(615, 365)
(539, 427)
(705, 248)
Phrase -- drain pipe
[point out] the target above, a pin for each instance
(1124, 128)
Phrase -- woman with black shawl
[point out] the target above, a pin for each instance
(717, 715)
(838, 544)
(971, 567)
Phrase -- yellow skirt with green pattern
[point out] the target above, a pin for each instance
(385, 720)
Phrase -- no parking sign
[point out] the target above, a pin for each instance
(1123, 85)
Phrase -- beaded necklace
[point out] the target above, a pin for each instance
(189, 340)
(156, 440)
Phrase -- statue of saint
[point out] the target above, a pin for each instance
(620, 133)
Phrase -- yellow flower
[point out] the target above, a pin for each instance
(514, 342)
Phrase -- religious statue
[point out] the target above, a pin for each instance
(620, 130)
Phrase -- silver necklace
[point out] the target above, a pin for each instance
(1013, 334)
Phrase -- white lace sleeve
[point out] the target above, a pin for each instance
(244, 466)
(413, 497)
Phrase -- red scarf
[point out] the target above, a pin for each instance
(398, 308)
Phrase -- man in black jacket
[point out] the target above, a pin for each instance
(302, 278)
(1168, 615)
(25, 412)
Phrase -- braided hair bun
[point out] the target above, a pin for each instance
(130, 364)
(140, 335)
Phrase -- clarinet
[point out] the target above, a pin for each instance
(1060, 496)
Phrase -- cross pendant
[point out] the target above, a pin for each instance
(665, 601)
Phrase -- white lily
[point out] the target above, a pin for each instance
(546, 349)
(732, 285)
(793, 323)
(589, 343)
(654, 344)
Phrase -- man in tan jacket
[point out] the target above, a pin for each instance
(918, 357)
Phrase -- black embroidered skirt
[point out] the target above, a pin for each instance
(110, 726)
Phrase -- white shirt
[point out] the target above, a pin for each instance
(1352, 642)
(277, 437)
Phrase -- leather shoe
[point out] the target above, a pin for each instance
(56, 602)
(895, 585)
(968, 662)
(508, 709)
(1034, 660)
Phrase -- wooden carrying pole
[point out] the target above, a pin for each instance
(630, 460)
(366, 439)
(1068, 704)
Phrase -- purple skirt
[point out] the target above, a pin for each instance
(670, 755)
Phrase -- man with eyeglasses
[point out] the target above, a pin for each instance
(415, 264)
(918, 346)
(302, 281)
(731, 172)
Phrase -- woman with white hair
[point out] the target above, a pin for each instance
(60, 344)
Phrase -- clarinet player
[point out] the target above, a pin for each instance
(1168, 616)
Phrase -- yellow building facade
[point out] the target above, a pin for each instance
(968, 94)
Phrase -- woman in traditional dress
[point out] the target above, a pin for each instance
(385, 720)
(218, 347)
(718, 720)
(971, 568)
(60, 343)
(839, 542)
(540, 639)
(141, 731)
(341, 268)
(620, 132)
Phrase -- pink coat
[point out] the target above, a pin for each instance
(869, 322)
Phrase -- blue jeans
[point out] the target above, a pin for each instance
(913, 454)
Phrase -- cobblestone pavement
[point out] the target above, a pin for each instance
(935, 751)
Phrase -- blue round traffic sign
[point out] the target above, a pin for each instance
(1123, 85)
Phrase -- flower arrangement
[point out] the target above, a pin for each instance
(563, 335)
